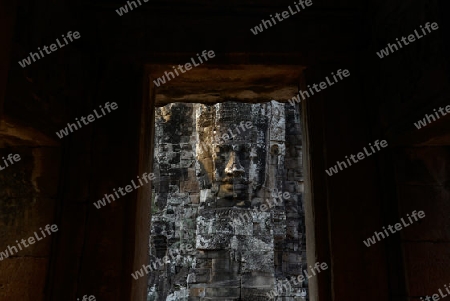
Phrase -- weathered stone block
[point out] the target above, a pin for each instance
(20, 270)
(231, 293)
(425, 277)
(201, 276)
(233, 237)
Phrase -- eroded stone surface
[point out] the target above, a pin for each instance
(216, 166)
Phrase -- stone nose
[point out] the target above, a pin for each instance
(234, 167)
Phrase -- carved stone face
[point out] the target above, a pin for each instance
(232, 175)
(229, 154)
(215, 175)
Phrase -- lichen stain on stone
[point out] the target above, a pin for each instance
(214, 174)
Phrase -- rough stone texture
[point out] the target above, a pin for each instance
(23, 270)
(249, 83)
(423, 178)
(206, 193)
(27, 202)
(382, 98)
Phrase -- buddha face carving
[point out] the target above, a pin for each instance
(231, 152)
(231, 174)
(218, 164)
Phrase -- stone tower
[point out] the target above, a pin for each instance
(231, 190)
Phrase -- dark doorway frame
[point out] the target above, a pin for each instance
(315, 212)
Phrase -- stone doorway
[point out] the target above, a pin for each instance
(210, 235)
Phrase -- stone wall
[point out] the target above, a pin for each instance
(93, 250)
(27, 202)
(240, 252)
